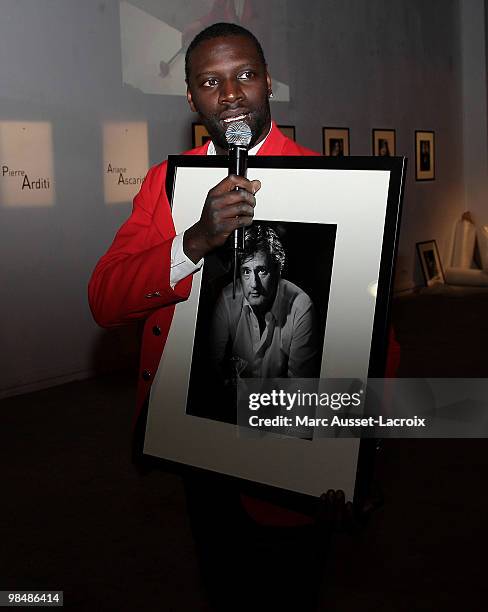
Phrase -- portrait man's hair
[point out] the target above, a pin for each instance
(262, 237)
(218, 30)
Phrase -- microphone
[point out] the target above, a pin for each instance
(238, 136)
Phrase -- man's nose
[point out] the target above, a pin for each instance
(230, 91)
(255, 282)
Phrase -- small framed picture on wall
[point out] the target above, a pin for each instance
(199, 135)
(288, 130)
(430, 262)
(335, 141)
(384, 143)
(424, 155)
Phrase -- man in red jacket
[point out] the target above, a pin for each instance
(148, 269)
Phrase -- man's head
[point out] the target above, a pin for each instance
(227, 80)
(260, 266)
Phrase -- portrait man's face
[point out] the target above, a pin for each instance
(228, 81)
(259, 279)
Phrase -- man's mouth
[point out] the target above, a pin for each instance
(241, 117)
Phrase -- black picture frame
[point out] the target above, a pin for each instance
(333, 137)
(430, 262)
(199, 167)
(388, 136)
(425, 155)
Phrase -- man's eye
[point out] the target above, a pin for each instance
(246, 272)
(246, 75)
(210, 83)
(263, 272)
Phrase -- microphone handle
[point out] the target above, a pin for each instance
(238, 166)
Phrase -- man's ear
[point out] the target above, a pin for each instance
(269, 82)
(190, 99)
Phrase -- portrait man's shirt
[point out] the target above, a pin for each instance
(287, 346)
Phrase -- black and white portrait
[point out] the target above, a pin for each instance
(384, 149)
(274, 326)
(336, 147)
(431, 264)
(424, 155)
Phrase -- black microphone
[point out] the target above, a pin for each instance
(238, 136)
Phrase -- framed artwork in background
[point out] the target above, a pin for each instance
(430, 262)
(199, 135)
(288, 130)
(424, 155)
(335, 141)
(384, 143)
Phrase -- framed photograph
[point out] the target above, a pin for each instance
(199, 135)
(320, 257)
(384, 144)
(430, 262)
(221, 318)
(335, 141)
(424, 156)
(288, 130)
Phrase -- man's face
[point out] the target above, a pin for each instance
(228, 82)
(259, 279)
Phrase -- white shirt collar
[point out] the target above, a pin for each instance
(253, 151)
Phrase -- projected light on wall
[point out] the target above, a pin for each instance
(125, 159)
(26, 164)
(153, 50)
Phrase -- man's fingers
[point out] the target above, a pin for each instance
(220, 202)
(333, 510)
(229, 183)
(339, 503)
(227, 208)
(256, 186)
(227, 226)
(238, 210)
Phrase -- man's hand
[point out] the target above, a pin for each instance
(225, 210)
(334, 514)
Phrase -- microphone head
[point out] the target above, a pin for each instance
(238, 133)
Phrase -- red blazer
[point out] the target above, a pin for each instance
(131, 281)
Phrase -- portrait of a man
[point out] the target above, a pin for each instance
(384, 149)
(273, 327)
(431, 264)
(269, 330)
(424, 155)
(337, 147)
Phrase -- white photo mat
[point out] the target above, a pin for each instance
(354, 200)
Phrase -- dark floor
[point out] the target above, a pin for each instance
(76, 516)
